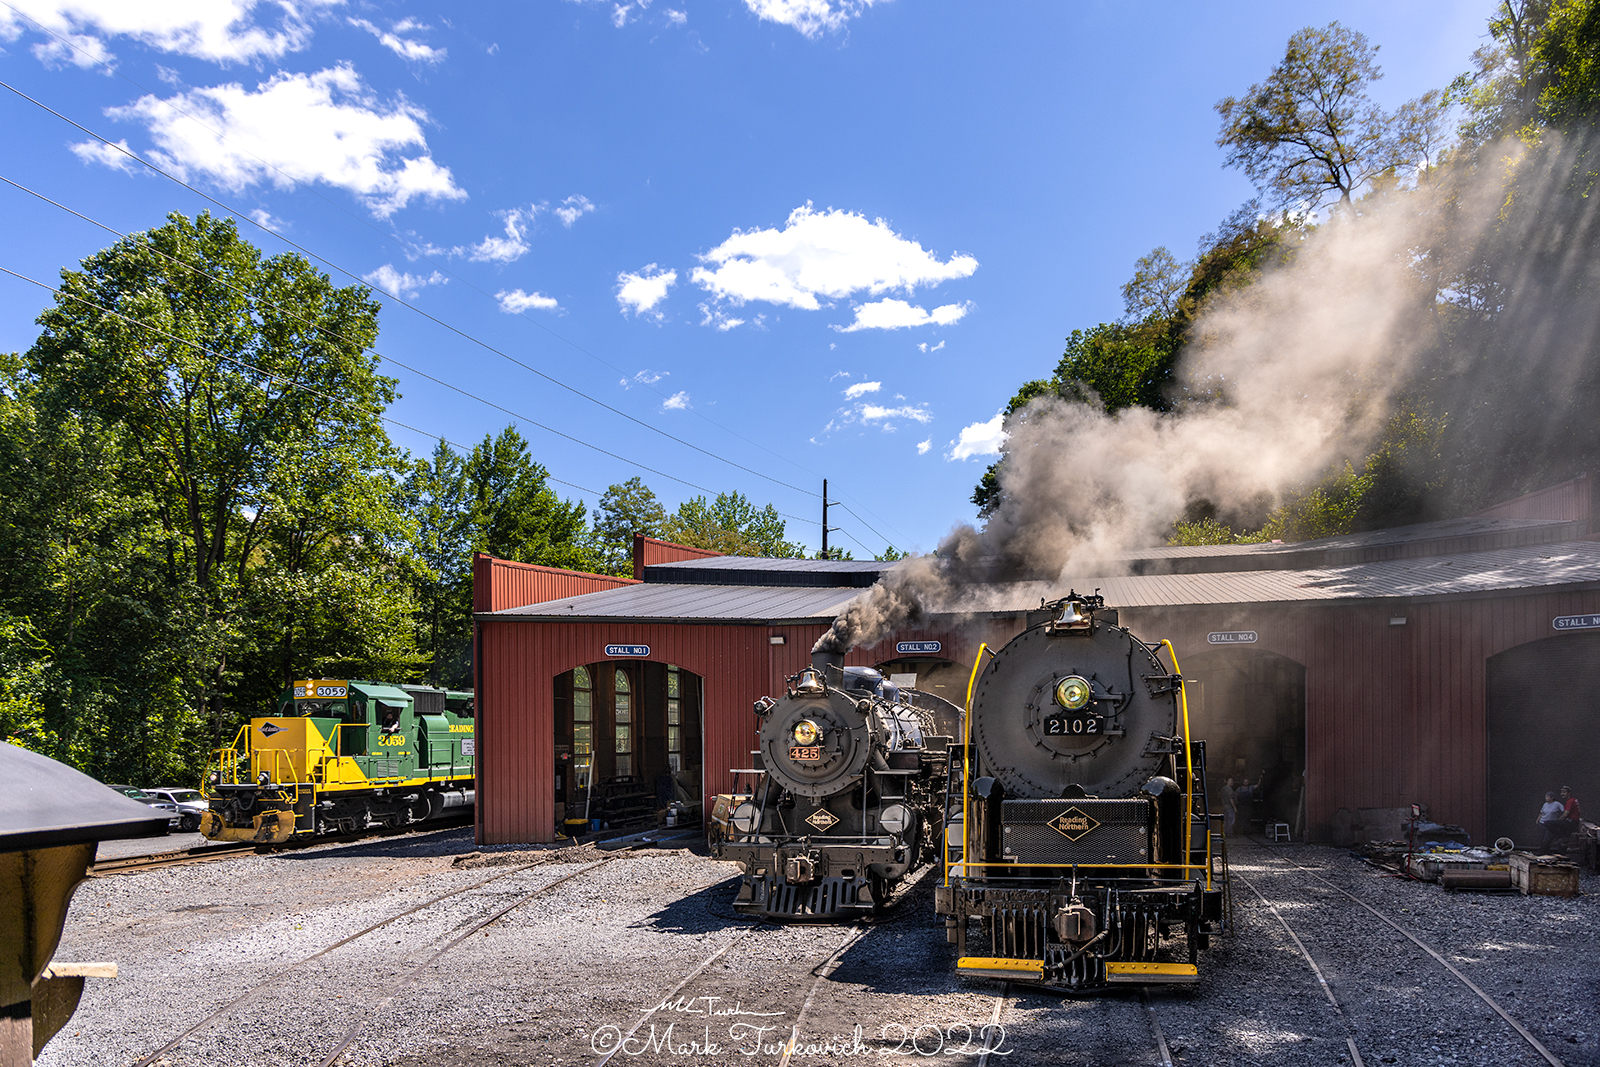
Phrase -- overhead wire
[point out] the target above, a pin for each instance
(410, 250)
(401, 300)
(293, 384)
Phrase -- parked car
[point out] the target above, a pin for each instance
(154, 801)
(191, 805)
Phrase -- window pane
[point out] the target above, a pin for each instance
(622, 681)
(675, 762)
(672, 681)
(580, 678)
(624, 764)
(582, 710)
(581, 738)
(672, 713)
(674, 739)
(624, 708)
(624, 739)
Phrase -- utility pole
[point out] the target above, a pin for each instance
(825, 526)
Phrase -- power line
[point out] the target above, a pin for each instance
(409, 249)
(403, 302)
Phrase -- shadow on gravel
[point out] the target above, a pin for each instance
(701, 912)
(422, 845)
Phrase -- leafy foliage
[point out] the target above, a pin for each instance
(730, 524)
(626, 509)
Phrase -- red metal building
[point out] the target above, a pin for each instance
(1452, 664)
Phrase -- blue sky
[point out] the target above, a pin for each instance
(815, 238)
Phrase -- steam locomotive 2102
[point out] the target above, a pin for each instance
(848, 793)
(1083, 841)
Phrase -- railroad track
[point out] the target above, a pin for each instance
(349, 1036)
(1350, 1025)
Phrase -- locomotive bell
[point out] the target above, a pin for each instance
(808, 683)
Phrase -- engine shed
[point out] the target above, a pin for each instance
(1451, 664)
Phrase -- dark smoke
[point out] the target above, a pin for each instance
(1474, 298)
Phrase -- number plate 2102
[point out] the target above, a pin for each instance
(1073, 725)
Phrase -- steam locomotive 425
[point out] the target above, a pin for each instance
(848, 796)
(1083, 841)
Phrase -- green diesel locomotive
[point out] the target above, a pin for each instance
(341, 756)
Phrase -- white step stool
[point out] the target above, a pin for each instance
(1278, 831)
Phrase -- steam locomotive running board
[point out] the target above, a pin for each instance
(1150, 973)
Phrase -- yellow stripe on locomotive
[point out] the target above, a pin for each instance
(341, 756)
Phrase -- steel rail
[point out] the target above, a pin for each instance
(1163, 1053)
(152, 861)
(990, 1029)
(1550, 1057)
(824, 972)
(406, 979)
(228, 1008)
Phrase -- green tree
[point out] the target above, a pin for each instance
(436, 498)
(731, 525)
(514, 514)
(625, 509)
(199, 427)
(1310, 131)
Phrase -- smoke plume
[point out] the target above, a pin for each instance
(1288, 377)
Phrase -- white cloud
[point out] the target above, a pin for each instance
(267, 221)
(513, 301)
(572, 209)
(78, 49)
(810, 17)
(644, 377)
(678, 401)
(923, 446)
(106, 155)
(821, 256)
(677, 18)
(860, 388)
(507, 249)
(403, 47)
(876, 413)
(326, 127)
(979, 439)
(401, 284)
(924, 347)
(221, 30)
(838, 373)
(892, 314)
(641, 292)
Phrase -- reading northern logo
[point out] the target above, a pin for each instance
(1073, 823)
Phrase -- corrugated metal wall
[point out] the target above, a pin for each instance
(1571, 500)
(648, 551)
(498, 584)
(1395, 714)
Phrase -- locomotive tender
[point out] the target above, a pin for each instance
(848, 793)
(1083, 840)
(341, 756)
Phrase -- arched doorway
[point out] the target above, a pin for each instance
(1543, 717)
(628, 743)
(1249, 705)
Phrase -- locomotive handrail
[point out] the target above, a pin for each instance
(1188, 761)
(966, 761)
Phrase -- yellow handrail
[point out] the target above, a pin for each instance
(966, 761)
(1188, 763)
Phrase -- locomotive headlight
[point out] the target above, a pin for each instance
(895, 818)
(744, 818)
(1073, 692)
(807, 732)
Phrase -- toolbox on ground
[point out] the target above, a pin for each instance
(1543, 876)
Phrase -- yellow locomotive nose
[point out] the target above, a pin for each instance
(807, 732)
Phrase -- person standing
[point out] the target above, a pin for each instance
(1230, 808)
(1551, 816)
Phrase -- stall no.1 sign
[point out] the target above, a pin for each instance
(627, 650)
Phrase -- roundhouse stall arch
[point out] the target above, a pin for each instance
(1249, 704)
(1543, 721)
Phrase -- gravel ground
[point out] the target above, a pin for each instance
(571, 969)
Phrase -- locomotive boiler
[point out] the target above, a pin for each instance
(847, 794)
(1080, 854)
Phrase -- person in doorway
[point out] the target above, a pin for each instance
(1230, 808)
(1571, 814)
(1551, 816)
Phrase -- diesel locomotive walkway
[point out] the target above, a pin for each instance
(390, 952)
